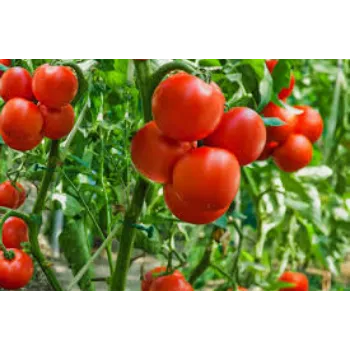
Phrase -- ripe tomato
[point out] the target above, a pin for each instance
(208, 178)
(16, 82)
(285, 92)
(299, 280)
(9, 195)
(155, 155)
(14, 232)
(279, 133)
(294, 154)
(242, 132)
(22, 144)
(21, 119)
(268, 150)
(309, 124)
(58, 122)
(171, 283)
(6, 63)
(150, 277)
(187, 212)
(186, 108)
(22, 194)
(15, 273)
(54, 86)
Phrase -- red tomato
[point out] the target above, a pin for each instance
(279, 133)
(187, 212)
(22, 194)
(153, 274)
(22, 144)
(242, 132)
(6, 63)
(309, 124)
(55, 86)
(300, 281)
(15, 273)
(285, 92)
(186, 108)
(58, 123)
(155, 155)
(294, 154)
(9, 196)
(21, 119)
(171, 283)
(208, 178)
(16, 82)
(14, 232)
(268, 150)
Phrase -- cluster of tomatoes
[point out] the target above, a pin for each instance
(38, 106)
(16, 266)
(157, 280)
(290, 145)
(196, 149)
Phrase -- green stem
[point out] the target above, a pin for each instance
(235, 270)
(98, 252)
(93, 219)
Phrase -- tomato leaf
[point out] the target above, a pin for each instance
(273, 121)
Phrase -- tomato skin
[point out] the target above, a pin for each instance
(187, 212)
(171, 283)
(295, 154)
(279, 133)
(22, 144)
(185, 108)
(285, 92)
(298, 279)
(58, 123)
(14, 232)
(54, 86)
(22, 194)
(155, 155)
(268, 151)
(16, 82)
(208, 178)
(150, 277)
(21, 119)
(309, 124)
(17, 273)
(5, 62)
(9, 195)
(242, 132)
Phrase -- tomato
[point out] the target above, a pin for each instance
(186, 108)
(14, 232)
(155, 155)
(309, 124)
(187, 212)
(153, 274)
(22, 144)
(55, 86)
(208, 178)
(6, 63)
(171, 283)
(285, 92)
(21, 119)
(242, 132)
(279, 133)
(22, 194)
(9, 196)
(300, 281)
(16, 82)
(15, 273)
(268, 150)
(58, 122)
(294, 154)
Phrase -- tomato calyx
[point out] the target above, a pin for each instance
(8, 254)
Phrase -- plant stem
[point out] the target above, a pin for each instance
(235, 270)
(93, 219)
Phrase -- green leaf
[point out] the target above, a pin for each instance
(221, 222)
(265, 89)
(70, 206)
(273, 121)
